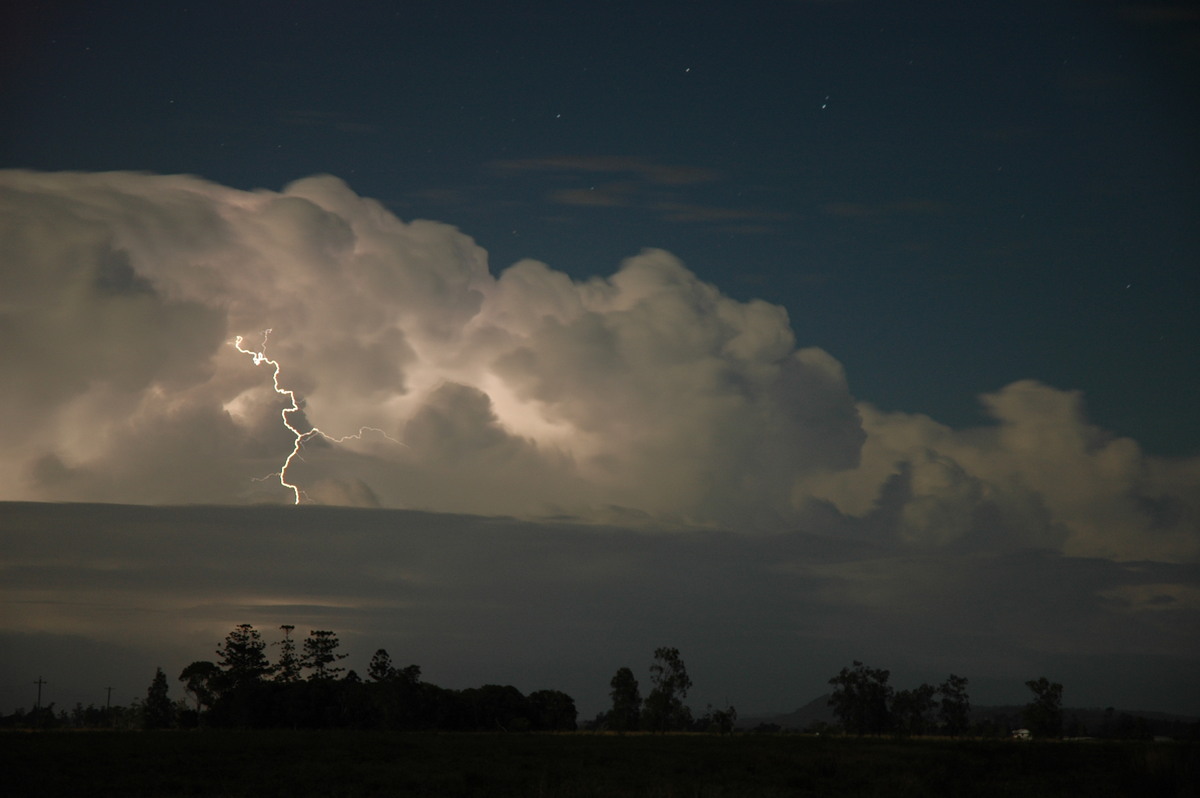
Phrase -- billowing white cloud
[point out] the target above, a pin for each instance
(646, 394)
(1040, 476)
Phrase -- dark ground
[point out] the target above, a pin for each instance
(335, 763)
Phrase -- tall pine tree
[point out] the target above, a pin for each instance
(158, 712)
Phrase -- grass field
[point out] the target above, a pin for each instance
(335, 763)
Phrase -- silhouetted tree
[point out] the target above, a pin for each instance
(242, 657)
(860, 699)
(1043, 715)
(243, 699)
(380, 669)
(158, 712)
(441, 708)
(396, 693)
(359, 706)
(42, 716)
(552, 710)
(1107, 726)
(717, 721)
(287, 667)
(1076, 727)
(954, 710)
(912, 711)
(320, 652)
(200, 681)
(494, 707)
(1132, 728)
(626, 711)
(664, 709)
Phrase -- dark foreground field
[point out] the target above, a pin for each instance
(331, 764)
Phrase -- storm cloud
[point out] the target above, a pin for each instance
(646, 396)
(644, 392)
(554, 476)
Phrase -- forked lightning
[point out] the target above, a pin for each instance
(259, 358)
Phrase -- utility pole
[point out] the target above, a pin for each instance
(37, 713)
(108, 707)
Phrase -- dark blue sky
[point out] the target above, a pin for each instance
(946, 196)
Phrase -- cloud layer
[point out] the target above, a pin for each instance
(647, 394)
(762, 621)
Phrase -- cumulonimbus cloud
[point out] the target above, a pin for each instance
(1039, 476)
(647, 393)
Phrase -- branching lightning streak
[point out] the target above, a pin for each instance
(259, 358)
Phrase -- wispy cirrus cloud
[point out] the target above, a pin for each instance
(604, 195)
(644, 170)
(871, 210)
(685, 212)
(665, 192)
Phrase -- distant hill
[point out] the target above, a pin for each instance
(815, 711)
(1077, 722)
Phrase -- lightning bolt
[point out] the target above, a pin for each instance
(259, 358)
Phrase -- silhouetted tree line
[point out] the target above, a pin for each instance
(78, 717)
(306, 688)
(865, 703)
(663, 709)
(157, 711)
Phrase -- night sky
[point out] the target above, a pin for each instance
(845, 296)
